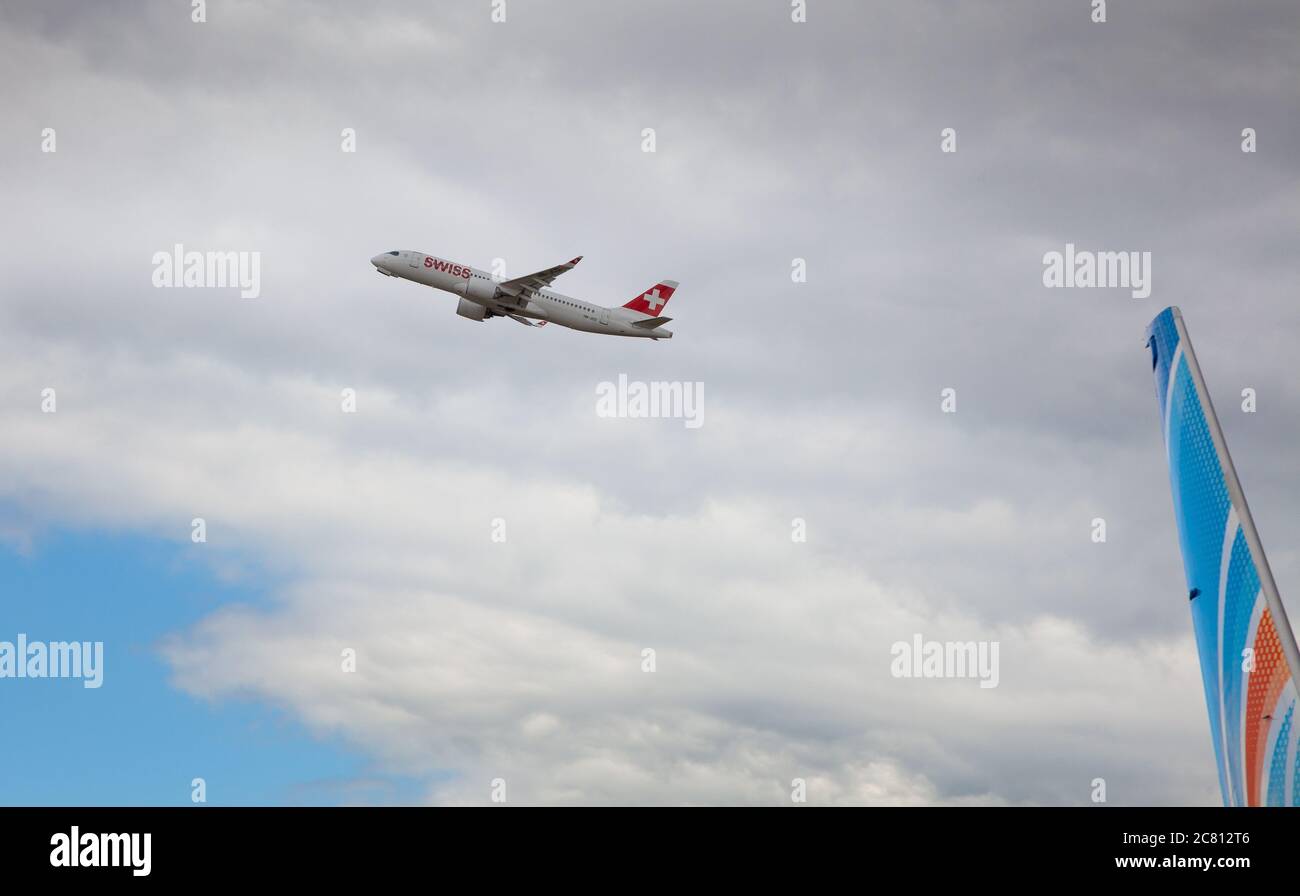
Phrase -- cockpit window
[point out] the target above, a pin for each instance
(394, 252)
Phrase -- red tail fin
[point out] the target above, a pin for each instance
(653, 300)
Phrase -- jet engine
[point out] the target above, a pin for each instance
(481, 288)
(472, 310)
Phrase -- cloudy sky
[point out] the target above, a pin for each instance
(522, 140)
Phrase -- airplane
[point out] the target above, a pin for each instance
(528, 299)
(1246, 645)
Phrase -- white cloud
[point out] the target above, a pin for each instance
(522, 660)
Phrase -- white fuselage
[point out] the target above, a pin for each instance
(480, 289)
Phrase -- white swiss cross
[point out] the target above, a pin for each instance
(652, 299)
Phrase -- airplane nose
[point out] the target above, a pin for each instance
(377, 259)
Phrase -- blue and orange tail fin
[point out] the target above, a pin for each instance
(1248, 652)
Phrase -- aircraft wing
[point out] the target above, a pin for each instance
(516, 285)
(1248, 652)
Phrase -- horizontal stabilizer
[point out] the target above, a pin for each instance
(651, 323)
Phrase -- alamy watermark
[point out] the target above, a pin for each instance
(1082, 268)
(209, 270)
(920, 658)
(89, 850)
(55, 659)
(672, 399)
